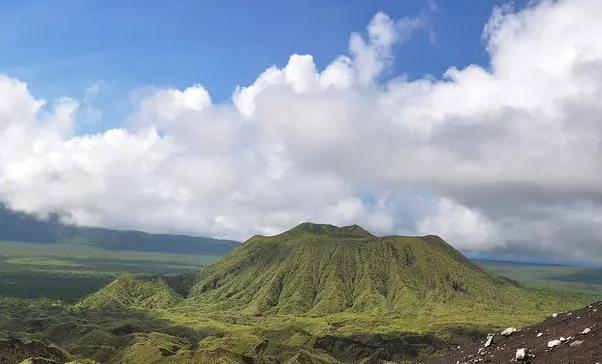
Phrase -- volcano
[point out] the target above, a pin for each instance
(323, 269)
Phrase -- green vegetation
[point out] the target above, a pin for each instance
(90, 258)
(580, 285)
(69, 272)
(45, 258)
(135, 292)
(314, 294)
(320, 272)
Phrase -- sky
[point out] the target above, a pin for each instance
(69, 46)
(475, 120)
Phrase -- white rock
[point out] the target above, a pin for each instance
(521, 354)
(539, 334)
(562, 339)
(509, 331)
(489, 340)
(577, 343)
(554, 343)
(586, 331)
(554, 315)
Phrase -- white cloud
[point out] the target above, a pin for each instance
(62, 119)
(467, 229)
(338, 74)
(244, 97)
(165, 106)
(371, 56)
(502, 159)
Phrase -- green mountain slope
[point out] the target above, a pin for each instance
(133, 291)
(319, 270)
(313, 294)
(322, 269)
(20, 227)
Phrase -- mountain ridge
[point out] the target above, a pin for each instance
(323, 269)
(350, 231)
(25, 228)
(319, 269)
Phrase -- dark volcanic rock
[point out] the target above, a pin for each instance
(579, 333)
(14, 350)
(376, 348)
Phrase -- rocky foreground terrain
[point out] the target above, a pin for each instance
(571, 337)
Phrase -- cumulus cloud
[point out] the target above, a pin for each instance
(467, 229)
(373, 55)
(503, 159)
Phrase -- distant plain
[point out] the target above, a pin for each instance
(70, 271)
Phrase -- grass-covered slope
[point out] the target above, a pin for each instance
(322, 269)
(133, 291)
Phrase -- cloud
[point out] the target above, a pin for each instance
(503, 159)
(374, 54)
(467, 229)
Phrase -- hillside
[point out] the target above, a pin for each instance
(323, 269)
(130, 291)
(319, 270)
(20, 227)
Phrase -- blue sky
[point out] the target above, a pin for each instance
(500, 160)
(61, 48)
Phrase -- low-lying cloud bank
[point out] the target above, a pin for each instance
(505, 159)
